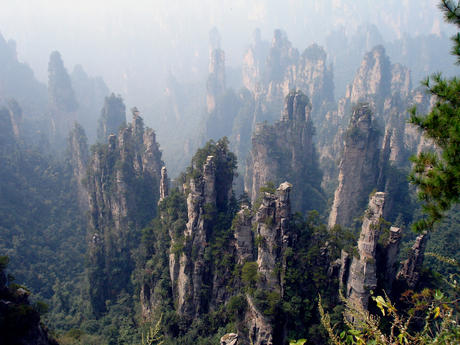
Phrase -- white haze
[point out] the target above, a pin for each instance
(133, 44)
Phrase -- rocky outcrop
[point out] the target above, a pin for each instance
(21, 324)
(244, 237)
(216, 83)
(16, 117)
(410, 269)
(272, 219)
(78, 158)
(90, 93)
(373, 77)
(287, 69)
(254, 60)
(192, 276)
(279, 57)
(113, 115)
(123, 188)
(401, 80)
(363, 274)
(164, 184)
(260, 329)
(391, 253)
(62, 102)
(358, 167)
(17, 81)
(229, 339)
(286, 151)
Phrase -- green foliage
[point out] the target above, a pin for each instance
(439, 325)
(437, 175)
(153, 336)
(113, 114)
(249, 274)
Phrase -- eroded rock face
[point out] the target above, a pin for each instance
(164, 187)
(374, 76)
(244, 237)
(78, 150)
(286, 151)
(119, 185)
(358, 168)
(229, 339)
(410, 269)
(363, 274)
(21, 322)
(391, 254)
(272, 220)
(16, 117)
(260, 330)
(191, 271)
(113, 114)
(254, 60)
(216, 83)
(62, 102)
(288, 70)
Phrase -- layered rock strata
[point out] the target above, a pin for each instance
(62, 102)
(358, 168)
(272, 219)
(216, 83)
(286, 151)
(122, 183)
(79, 157)
(363, 274)
(410, 269)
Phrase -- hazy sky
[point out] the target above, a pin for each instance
(132, 44)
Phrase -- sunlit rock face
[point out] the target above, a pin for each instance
(362, 277)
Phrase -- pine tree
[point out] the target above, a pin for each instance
(437, 174)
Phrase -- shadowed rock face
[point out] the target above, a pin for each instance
(78, 152)
(122, 179)
(363, 270)
(286, 151)
(62, 102)
(410, 269)
(358, 168)
(254, 60)
(272, 220)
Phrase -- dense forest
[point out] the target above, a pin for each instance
(281, 201)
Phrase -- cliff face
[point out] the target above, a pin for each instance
(373, 77)
(17, 81)
(362, 277)
(190, 279)
(21, 322)
(254, 60)
(216, 83)
(122, 184)
(358, 168)
(62, 102)
(410, 269)
(286, 151)
(286, 69)
(78, 155)
(113, 114)
(272, 219)
(90, 94)
(16, 117)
